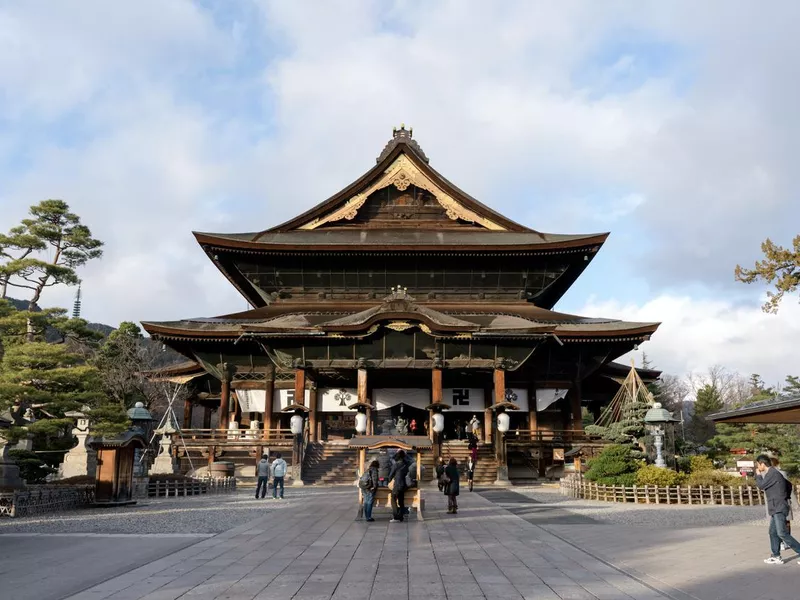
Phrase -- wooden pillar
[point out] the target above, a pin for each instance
(533, 416)
(300, 386)
(487, 416)
(363, 395)
(575, 404)
(499, 385)
(225, 397)
(269, 388)
(312, 412)
(187, 413)
(207, 417)
(436, 398)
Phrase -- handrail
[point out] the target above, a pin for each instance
(566, 436)
(221, 435)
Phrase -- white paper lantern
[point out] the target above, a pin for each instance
(503, 422)
(296, 424)
(438, 422)
(361, 422)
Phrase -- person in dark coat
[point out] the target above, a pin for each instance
(440, 473)
(451, 486)
(369, 493)
(384, 466)
(397, 474)
(778, 491)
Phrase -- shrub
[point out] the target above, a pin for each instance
(712, 477)
(31, 468)
(77, 480)
(615, 465)
(701, 463)
(653, 475)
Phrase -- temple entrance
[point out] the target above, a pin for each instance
(338, 426)
(414, 419)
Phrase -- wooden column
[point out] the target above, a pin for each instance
(436, 398)
(312, 412)
(188, 404)
(206, 417)
(533, 417)
(269, 388)
(363, 395)
(487, 416)
(499, 385)
(225, 397)
(300, 386)
(575, 404)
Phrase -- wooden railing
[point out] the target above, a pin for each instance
(551, 436)
(236, 435)
(744, 495)
(191, 487)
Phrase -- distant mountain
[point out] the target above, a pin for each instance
(101, 328)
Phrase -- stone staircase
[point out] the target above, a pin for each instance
(486, 471)
(330, 463)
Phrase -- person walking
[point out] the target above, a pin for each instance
(397, 478)
(278, 473)
(262, 471)
(475, 426)
(778, 491)
(451, 486)
(776, 463)
(369, 492)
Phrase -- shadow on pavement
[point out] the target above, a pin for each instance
(533, 511)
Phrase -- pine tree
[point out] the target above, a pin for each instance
(780, 266)
(708, 401)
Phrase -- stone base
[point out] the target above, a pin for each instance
(9, 477)
(78, 464)
(297, 482)
(502, 477)
(165, 466)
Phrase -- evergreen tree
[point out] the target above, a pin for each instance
(708, 401)
(780, 266)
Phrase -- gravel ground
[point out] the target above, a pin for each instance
(649, 515)
(201, 514)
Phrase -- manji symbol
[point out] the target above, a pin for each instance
(460, 397)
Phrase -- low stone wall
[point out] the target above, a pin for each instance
(44, 499)
(745, 495)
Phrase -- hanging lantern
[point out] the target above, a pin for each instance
(296, 424)
(438, 422)
(503, 421)
(361, 422)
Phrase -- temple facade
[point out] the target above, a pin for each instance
(402, 296)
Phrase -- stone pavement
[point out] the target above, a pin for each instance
(311, 547)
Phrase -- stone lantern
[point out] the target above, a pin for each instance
(659, 421)
(165, 462)
(141, 420)
(82, 459)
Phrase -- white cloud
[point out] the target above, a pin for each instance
(696, 334)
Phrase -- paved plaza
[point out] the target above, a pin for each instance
(518, 543)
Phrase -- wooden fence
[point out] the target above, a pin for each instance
(744, 495)
(190, 487)
(45, 499)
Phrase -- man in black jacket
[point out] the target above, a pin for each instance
(778, 491)
(398, 474)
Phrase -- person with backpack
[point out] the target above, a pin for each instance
(397, 479)
(368, 482)
(776, 464)
(278, 473)
(778, 491)
(262, 471)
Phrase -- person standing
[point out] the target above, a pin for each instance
(413, 427)
(778, 491)
(397, 475)
(262, 471)
(440, 473)
(475, 426)
(278, 473)
(776, 464)
(369, 492)
(451, 486)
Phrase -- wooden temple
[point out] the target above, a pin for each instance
(400, 295)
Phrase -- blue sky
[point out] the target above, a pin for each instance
(672, 125)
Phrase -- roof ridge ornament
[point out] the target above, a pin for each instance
(398, 293)
(402, 135)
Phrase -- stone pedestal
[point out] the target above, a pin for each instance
(81, 460)
(165, 462)
(502, 476)
(9, 472)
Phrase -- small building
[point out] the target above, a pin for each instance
(115, 461)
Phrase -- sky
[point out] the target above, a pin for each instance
(671, 125)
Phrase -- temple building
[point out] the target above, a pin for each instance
(402, 296)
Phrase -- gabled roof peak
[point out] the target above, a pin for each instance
(402, 136)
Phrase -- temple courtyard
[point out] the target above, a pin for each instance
(521, 542)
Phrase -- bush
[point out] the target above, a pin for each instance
(31, 468)
(77, 480)
(614, 466)
(712, 477)
(701, 463)
(653, 475)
